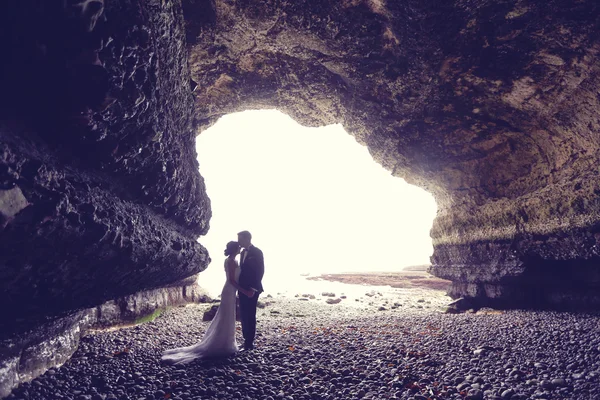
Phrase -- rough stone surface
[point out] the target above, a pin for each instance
(96, 134)
(129, 308)
(209, 314)
(26, 355)
(12, 202)
(491, 106)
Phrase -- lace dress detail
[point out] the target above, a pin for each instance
(219, 338)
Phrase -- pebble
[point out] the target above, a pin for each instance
(309, 350)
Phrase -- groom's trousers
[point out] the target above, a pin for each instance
(248, 316)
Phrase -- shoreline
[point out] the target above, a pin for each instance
(401, 279)
(352, 284)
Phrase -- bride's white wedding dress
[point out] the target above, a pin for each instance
(219, 338)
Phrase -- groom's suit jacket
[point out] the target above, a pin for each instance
(252, 269)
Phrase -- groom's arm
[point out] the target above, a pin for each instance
(259, 268)
(254, 264)
(231, 279)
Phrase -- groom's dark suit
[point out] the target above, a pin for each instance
(252, 267)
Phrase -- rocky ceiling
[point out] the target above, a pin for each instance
(492, 106)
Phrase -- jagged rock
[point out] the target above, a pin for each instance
(115, 202)
(26, 355)
(209, 315)
(491, 107)
(262, 304)
(129, 308)
(460, 305)
(12, 202)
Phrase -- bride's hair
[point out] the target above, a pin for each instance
(231, 248)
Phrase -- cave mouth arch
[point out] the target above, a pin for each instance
(500, 124)
(314, 199)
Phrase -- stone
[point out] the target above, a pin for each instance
(559, 382)
(12, 202)
(459, 305)
(479, 352)
(133, 245)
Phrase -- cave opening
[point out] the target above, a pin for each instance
(314, 199)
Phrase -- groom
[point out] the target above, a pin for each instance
(252, 267)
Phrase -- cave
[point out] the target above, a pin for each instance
(490, 106)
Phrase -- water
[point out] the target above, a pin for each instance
(289, 284)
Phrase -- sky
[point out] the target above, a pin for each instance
(313, 198)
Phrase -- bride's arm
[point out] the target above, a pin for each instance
(230, 271)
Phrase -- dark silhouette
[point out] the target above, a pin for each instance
(252, 267)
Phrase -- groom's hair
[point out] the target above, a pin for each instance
(245, 235)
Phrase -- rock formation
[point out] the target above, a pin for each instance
(491, 106)
(100, 195)
(100, 190)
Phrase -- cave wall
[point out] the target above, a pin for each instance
(100, 195)
(491, 106)
(31, 353)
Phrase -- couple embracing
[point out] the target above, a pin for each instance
(245, 278)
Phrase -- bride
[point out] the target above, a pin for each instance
(219, 338)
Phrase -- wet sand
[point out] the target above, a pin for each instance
(406, 279)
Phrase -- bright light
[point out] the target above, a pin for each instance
(313, 199)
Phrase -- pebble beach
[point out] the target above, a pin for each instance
(393, 343)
